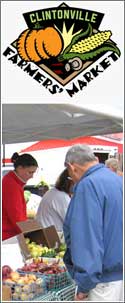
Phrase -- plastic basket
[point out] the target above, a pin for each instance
(50, 296)
(58, 281)
(65, 294)
(54, 281)
(26, 292)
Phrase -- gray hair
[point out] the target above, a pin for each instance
(79, 154)
(112, 162)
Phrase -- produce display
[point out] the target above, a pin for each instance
(23, 286)
(56, 276)
(39, 266)
(44, 273)
(38, 250)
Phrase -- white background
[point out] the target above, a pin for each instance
(106, 91)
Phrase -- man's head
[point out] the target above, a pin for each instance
(113, 164)
(78, 160)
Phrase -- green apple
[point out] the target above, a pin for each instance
(31, 245)
(62, 247)
(27, 240)
(34, 254)
(61, 254)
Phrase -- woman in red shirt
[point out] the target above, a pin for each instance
(13, 202)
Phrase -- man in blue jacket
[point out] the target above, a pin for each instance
(93, 228)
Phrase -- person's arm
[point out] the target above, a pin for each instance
(66, 230)
(86, 232)
(68, 262)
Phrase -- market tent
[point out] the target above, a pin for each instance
(55, 143)
(35, 122)
(6, 161)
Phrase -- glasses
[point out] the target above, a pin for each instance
(69, 178)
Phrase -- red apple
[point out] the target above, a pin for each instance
(6, 270)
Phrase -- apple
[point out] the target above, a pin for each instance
(39, 281)
(34, 253)
(61, 254)
(25, 279)
(14, 276)
(26, 288)
(27, 240)
(62, 247)
(18, 289)
(33, 265)
(30, 282)
(24, 297)
(20, 280)
(26, 267)
(6, 270)
(32, 277)
(33, 243)
(37, 260)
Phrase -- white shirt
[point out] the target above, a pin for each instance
(33, 202)
(53, 208)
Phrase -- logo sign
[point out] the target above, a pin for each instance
(60, 44)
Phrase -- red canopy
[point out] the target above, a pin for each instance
(55, 143)
(6, 161)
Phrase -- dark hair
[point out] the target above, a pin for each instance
(63, 182)
(24, 160)
(43, 189)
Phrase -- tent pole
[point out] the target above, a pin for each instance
(4, 155)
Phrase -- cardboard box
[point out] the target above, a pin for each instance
(36, 233)
(6, 293)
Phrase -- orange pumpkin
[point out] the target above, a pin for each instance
(34, 45)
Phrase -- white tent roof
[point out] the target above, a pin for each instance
(34, 122)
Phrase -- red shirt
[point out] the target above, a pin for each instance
(13, 205)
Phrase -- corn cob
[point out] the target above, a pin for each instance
(90, 43)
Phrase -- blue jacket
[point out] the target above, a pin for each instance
(93, 229)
